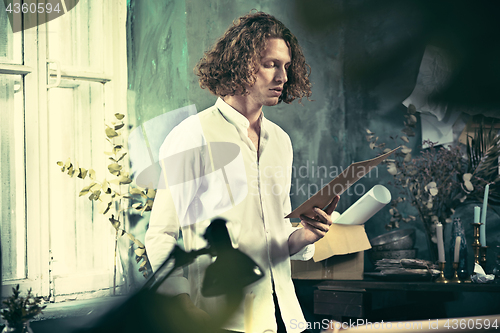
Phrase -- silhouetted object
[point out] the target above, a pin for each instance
(148, 311)
(385, 39)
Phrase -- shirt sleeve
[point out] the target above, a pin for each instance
(307, 251)
(177, 187)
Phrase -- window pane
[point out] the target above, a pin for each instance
(12, 177)
(10, 44)
(84, 24)
(80, 238)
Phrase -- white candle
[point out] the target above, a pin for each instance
(482, 228)
(477, 213)
(457, 249)
(439, 236)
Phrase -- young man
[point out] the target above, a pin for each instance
(230, 161)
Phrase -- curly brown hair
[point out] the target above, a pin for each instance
(233, 61)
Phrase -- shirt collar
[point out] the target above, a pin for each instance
(231, 114)
(234, 116)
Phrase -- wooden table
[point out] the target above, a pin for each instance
(379, 299)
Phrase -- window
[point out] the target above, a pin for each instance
(59, 82)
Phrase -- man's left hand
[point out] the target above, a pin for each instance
(316, 228)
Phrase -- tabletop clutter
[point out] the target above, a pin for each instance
(394, 257)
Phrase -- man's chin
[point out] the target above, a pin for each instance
(272, 102)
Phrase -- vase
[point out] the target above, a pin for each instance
(457, 229)
(23, 327)
(431, 245)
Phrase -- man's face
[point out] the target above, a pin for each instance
(271, 75)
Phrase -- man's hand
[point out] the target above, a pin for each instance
(316, 228)
(313, 228)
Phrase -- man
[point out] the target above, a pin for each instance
(230, 161)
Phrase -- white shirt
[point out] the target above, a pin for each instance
(225, 179)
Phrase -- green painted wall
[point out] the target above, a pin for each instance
(364, 57)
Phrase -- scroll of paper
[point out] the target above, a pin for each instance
(338, 185)
(367, 206)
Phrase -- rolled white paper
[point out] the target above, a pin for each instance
(457, 249)
(482, 228)
(477, 213)
(367, 206)
(439, 236)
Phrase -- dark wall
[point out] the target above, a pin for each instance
(364, 57)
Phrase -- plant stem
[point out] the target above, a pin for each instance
(427, 228)
(114, 264)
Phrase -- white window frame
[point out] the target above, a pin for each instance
(34, 70)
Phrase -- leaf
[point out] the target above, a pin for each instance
(386, 150)
(105, 185)
(135, 191)
(405, 150)
(468, 185)
(117, 127)
(117, 148)
(405, 138)
(124, 180)
(60, 163)
(412, 109)
(86, 189)
(139, 244)
(137, 206)
(95, 195)
(82, 173)
(412, 120)
(372, 145)
(432, 188)
(105, 203)
(369, 132)
(67, 164)
(467, 176)
(151, 193)
(92, 174)
(121, 157)
(71, 171)
(408, 131)
(407, 158)
(114, 222)
(139, 252)
(114, 168)
(119, 116)
(110, 133)
(391, 168)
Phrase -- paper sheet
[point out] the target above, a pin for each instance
(338, 185)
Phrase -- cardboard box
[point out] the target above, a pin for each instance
(341, 267)
(338, 256)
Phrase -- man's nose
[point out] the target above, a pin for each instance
(281, 76)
